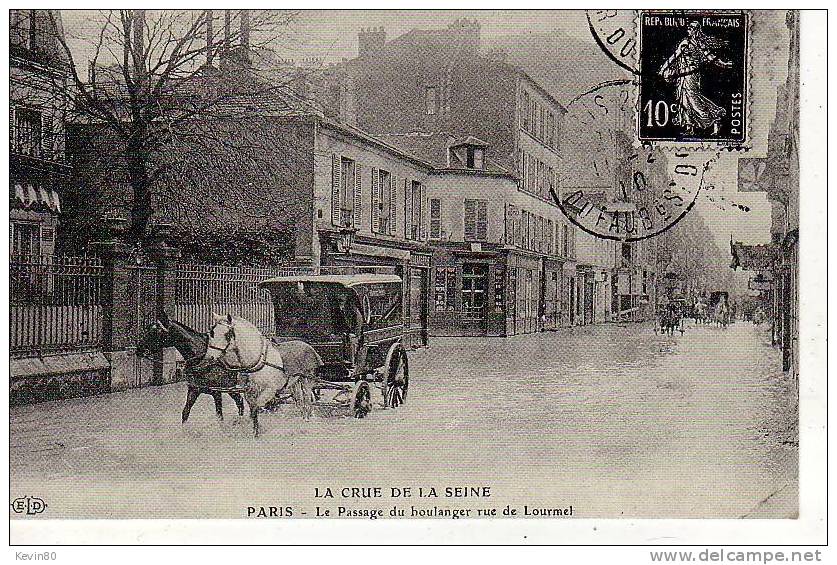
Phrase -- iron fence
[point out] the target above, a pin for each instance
(55, 304)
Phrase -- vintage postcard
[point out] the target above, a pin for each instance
(516, 269)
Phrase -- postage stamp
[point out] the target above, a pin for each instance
(694, 77)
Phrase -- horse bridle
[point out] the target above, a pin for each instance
(259, 364)
(224, 349)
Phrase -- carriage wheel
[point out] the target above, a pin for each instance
(361, 403)
(397, 381)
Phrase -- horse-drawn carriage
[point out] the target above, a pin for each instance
(355, 323)
(336, 338)
(669, 316)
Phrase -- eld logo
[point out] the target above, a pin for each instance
(28, 504)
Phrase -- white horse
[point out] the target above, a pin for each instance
(271, 370)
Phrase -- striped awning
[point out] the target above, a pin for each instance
(31, 196)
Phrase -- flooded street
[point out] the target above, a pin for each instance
(613, 420)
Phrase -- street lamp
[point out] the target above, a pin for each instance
(345, 239)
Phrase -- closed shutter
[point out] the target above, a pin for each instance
(12, 127)
(358, 197)
(376, 201)
(335, 190)
(422, 235)
(393, 190)
(482, 220)
(47, 136)
(435, 218)
(408, 209)
(511, 210)
(470, 220)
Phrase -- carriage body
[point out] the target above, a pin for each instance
(356, 325)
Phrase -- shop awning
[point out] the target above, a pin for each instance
(30, 196)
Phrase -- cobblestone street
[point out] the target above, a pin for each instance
(613, 420)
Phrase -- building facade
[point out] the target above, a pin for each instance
(39, 170)
(777, 174)
(440, 82)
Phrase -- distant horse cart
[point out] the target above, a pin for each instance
(670, 317)
(337, 336)
(719, 308)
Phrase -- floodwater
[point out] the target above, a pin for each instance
(614, 421)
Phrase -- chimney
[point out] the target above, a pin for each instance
(210, 37)
(371, 41)
(467, 33)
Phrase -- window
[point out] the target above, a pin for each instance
(383, 305)
(550, 237)
(530, 173)
(474, 290)
(534, 118)
(550, 125)
(475, 158)
(381, 200)
(525, 111)
(541, 124)
(445, 289)
(565, 240)
(25, 238)
(555, 142)
(435, 218)
(476, 220)
(415, 218)
(347, 191)
(430, 100)
(28, 135)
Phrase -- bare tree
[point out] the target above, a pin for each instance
(155, 78)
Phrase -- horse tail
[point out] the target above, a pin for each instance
(303, 394)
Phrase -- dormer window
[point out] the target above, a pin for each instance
(476, 158)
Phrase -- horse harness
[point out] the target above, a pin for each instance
(260, 363)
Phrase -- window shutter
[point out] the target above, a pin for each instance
(393, 191)
(510, 221)
(470, 220)
(408, 209)
(47, 137)
(422, 235)
(335, 190)
(376, 201)
(12, 127)
(482, 220)
(435, 218)
(358, 196)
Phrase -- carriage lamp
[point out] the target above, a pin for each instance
(346, 239)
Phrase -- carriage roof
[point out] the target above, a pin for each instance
(349, 281)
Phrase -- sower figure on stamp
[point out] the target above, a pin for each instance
(694, 110)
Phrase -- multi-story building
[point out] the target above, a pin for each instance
(498, 253)
(777, 174)
(440, 82)
(37, 114)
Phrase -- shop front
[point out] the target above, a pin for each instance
(468, 292)
(486, 291)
